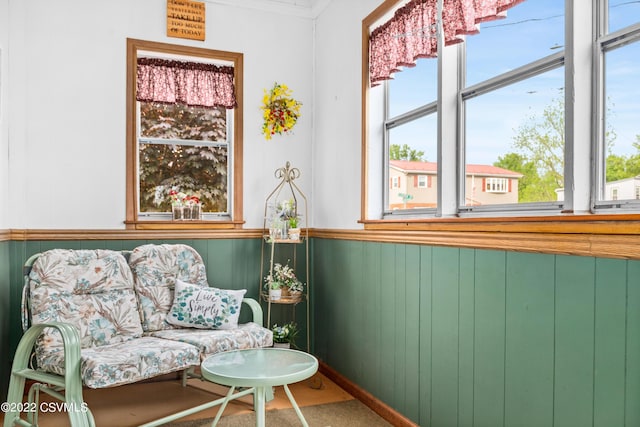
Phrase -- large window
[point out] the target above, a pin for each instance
(513, 107)
(185, 151)
(411, 134)
(618, 138)
(536, 114)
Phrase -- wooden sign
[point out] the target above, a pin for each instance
(185, 19)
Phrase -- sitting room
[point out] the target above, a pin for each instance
(320, 212)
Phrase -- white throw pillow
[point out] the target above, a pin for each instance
(205, 307)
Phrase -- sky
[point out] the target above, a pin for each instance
(532, 30)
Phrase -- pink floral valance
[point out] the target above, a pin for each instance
(412, 31)
(188, 83)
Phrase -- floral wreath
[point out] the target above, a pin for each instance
(279, 111)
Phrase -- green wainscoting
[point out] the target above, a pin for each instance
(5, 324)
(446, 336)
(464, 337)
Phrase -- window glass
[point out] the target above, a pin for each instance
(169, 164)
(622, 128)
(623, 13)
(413, 155)
(532, 30)
(413, 87)
(516, 133)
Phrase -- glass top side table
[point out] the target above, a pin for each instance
(259, 368)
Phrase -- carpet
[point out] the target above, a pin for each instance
(350, 413)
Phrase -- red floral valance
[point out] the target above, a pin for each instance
(412, 31)
(188, 83)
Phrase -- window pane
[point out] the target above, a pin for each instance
(622, 132)
(516, 133)
(413, 87)
(182, 122)
(193, 169)
(623, 13)
(532, 30)
(413, 157)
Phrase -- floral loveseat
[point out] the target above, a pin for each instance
(103, 318)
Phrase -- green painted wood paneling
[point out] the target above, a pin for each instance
(610, 342)
(466, 337)
(489, 338)
(574, 317)
(444, 336)
(502, 338)
(632, 368)
(5, 317)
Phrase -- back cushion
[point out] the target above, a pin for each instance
(91, 289)
(155, 271)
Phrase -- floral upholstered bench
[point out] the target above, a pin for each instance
(103, 318)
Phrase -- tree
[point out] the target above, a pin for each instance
(199, 170)
(396, 152)
(621, 167)
(541, 142)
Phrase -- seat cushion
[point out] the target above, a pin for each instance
(155, 271)
(90, 289)
(247, 335)
(126, 362)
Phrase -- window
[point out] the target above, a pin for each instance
(554, 119)
(186, 146)
(422, 181)
(411, 131)
(618, 139)
(513, 108)
(496, 185)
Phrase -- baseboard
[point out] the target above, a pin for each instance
(385, 411)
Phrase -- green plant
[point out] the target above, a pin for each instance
(286, 333)
(293, 222)
(283, 275)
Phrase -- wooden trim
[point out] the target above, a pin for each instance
(625, 246)
(133, 46)
(5, 235)
(377, 406)
(183, 225)
(35, 234)
(367, 22)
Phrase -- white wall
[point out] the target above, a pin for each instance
(337, 120)
(4, 126)
(67, 135)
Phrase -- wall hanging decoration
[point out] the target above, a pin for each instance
(279, 111)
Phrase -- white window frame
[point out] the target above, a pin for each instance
(606, 42)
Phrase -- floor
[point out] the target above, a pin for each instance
(137, 404)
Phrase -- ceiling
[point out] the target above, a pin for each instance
(302, 8)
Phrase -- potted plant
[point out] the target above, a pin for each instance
(274, 287)
(291, 287)
(285, 336)
(294, 231)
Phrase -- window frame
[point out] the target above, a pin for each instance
(235, 184)
(606, 42)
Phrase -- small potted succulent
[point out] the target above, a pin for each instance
(294, 231)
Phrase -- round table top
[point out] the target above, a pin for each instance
(259, 367)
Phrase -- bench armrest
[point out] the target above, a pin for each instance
(256, 310)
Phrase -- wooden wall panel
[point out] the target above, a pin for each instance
(503, 338)
(574, 340)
